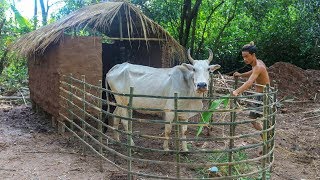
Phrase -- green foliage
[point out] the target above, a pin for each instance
(13, 70)
(282, 30)
(23, 24)
(14, 76)
(237, 169)
(206, 116)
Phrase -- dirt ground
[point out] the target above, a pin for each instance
(31, 149)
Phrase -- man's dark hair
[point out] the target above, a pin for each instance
(251, 48)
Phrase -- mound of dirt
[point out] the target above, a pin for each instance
(295, 82)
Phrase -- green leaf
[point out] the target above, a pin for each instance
(22, 21)
(206, 116)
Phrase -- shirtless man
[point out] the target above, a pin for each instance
(258, 75)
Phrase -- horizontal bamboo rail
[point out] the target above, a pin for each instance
(76, 99)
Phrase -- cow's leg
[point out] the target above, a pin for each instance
(184, 129)
(167, 130)
(125, 122)
(116, 123)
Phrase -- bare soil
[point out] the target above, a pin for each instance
(31, 149)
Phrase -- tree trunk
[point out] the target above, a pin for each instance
(205, 27)
(193, 35)
(1, 26)
(230, 18)
(35, 15)
(188, 14)
(186, 4)
(3, 60)
(44, 12)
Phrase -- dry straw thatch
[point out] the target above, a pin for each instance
(103, 18)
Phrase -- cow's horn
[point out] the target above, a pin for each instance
(189, 57)
(210, 55)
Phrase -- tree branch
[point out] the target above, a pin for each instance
(1, 25)
(189, 18)
(205, 26)
(217, 40)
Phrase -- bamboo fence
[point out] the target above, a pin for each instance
(83, 116)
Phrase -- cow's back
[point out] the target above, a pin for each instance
(152, 81)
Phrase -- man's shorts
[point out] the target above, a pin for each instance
(257, 112)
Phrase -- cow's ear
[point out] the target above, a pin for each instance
(214, 67)
(188, 66)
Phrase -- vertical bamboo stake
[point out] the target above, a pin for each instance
(100, 114)
(273, 119)
(60, 121)
(177, 135)
(120, 27)
(211, 86)
(84, 110)
(107, 116)
(268, 119)
(70, 103)
(129, 136)
(99, 94)
(232, 126)
(264, 135)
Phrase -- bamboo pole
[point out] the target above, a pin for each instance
(265, 126)
(120, 26)
(84, 109)
(71, 101)
(129, 136)
(274, 109)
(100, 117)
(232, 127)
(269, 120)
(177, 136)
(177, 124)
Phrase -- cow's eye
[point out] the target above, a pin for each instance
(208, 69)
(194, 70)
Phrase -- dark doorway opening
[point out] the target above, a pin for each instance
(135, 52)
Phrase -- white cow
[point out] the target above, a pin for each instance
(189, 80)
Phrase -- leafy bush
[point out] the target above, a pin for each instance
(14, 76)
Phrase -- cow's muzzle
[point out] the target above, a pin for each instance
(202, 87)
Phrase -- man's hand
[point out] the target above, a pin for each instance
(235, 93)
(236, 74)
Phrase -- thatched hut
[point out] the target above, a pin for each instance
(89, 42)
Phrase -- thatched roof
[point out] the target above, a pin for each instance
(104, 18)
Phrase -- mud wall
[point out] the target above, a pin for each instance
(78, 56)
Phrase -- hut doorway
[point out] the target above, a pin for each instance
(135, 52)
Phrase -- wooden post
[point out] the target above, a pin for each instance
(61, 128)
(129, 136)
(265, 126)
(70, 106)
(83, 125)
(274, 108)
(269, 119)
(100, 115)
(53, 122)
(211, 86)
(177, 135)
(232, 127)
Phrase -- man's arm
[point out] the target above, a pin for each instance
(254, 75)
(246, 74)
